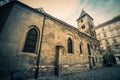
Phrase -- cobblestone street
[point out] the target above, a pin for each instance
(105, 73)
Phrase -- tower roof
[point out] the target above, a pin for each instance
(83, 13)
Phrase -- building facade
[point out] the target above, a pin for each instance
(109, 35)
(34, 43)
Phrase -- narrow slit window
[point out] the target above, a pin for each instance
(89, 50)
(80, 48)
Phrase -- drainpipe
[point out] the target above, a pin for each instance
(38, 58)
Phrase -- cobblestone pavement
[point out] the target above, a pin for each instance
(105, 73)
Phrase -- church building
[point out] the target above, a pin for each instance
(36, 44)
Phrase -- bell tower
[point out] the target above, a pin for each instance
(86, 25)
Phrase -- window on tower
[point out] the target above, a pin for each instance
(83, 26)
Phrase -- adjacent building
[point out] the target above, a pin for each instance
(109, 35)
(34, 43)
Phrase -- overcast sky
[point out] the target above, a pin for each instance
(69, 10)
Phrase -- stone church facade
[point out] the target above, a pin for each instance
(35, 42)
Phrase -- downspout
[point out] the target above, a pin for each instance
(38, 58)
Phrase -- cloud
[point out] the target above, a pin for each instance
(100, 10)
(69, 10)
(57, 8)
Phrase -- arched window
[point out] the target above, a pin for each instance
(83, 26)
(89, 50)
(70, 48)
(30, 42)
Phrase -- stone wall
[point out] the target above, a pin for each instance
(56, 35)
(12, 38)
